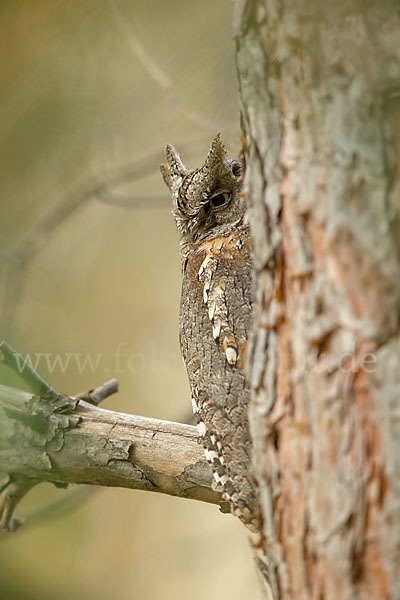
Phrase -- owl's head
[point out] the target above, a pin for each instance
(206, 200)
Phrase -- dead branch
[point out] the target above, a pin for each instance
(98, 447)
(65, 440)
(100, 393)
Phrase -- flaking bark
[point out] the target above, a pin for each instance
(320, 105)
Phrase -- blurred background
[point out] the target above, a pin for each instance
(90, 93)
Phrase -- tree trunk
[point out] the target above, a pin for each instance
(320, 106)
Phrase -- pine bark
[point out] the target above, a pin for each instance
(320, 107)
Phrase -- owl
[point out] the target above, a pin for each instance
(215, 315)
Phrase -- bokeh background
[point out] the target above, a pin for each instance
(89, 88)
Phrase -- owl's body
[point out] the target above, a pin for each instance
(215, 315)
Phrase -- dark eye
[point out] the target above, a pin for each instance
(219, 200)
(237, 169)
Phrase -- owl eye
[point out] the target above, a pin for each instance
(219, 200)
(237, 169)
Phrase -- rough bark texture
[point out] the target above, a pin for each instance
(320, 103)
(62, 442)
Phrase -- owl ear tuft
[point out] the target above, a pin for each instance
(174, 170)
(216, 154)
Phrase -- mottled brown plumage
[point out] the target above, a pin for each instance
(215, 315)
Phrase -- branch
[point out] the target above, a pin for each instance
(46, 436)
(15, 361)
(100, 393)
(60, 443)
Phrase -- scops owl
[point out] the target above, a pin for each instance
(215, 314)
